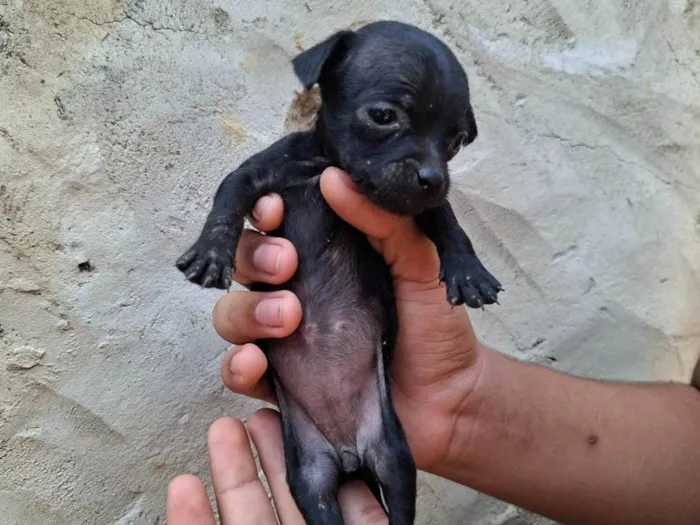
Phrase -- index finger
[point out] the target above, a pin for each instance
(188, 502)
(266, 431)
(240, 494)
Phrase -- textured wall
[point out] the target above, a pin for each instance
(118, 119)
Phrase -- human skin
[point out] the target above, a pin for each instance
(574, 450)
(240, 495)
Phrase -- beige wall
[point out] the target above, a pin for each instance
(119, 118)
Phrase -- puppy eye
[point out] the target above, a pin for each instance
(455, 145)
(382, 116)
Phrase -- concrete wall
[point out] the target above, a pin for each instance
(118, 119)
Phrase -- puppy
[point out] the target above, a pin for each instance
(395, 108)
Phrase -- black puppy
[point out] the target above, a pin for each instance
(395, 108)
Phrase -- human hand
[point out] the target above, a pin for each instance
(436, 362)
(240, 495)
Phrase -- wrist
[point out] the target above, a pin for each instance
(459, 421)
(465, 418)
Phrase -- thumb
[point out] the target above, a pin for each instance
(343, 196)
(409, 253)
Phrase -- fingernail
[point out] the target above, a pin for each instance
(266, 258)
(269, 312)
(263, 202)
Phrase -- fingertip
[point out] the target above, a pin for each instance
(183, 487)
(279, 312)
(243, 367)
(225, 430)
(286, 263)
(241, 317)
(263, 422)
(243, 372)
(188, 502)
(291, 313)
(332, 173)
(263, 258)
(335, 184)
(268, 212)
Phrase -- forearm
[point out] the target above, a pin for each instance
(580, 451)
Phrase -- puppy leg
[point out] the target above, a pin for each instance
(466, 278)
(384, 447)
(312, 466)
(313, 484)
(210, 260)
(392, 463)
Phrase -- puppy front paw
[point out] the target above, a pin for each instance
(208, 263)
(469, 282)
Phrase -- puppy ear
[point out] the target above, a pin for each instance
(470, 128)
(309, 65)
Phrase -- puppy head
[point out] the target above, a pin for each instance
(395, 110)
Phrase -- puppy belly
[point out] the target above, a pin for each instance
(330, 386)
(328, 374)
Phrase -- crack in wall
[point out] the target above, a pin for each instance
(144, 24)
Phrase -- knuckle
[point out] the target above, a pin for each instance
(229, 315)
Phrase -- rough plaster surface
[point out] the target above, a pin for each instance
(118, 119)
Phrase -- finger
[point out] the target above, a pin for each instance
(243, 371)
(359, 506)
(267, 213)
(188, 503)
(240, 494)
(354, 207)
(264, 259)
(241, 317)
(266, 431)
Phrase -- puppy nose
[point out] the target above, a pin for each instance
(431, 178)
